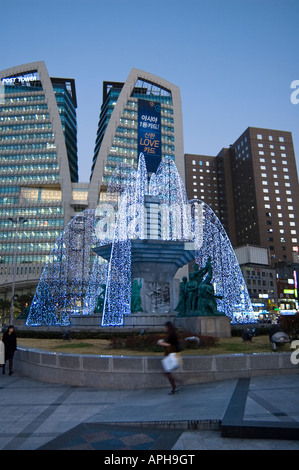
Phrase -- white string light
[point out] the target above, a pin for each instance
(72, 278)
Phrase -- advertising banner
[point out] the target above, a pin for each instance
(149, 133)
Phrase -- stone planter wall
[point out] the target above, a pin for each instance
(137, 372)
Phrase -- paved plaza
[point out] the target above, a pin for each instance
(36, 415)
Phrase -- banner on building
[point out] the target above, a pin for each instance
(149, 133)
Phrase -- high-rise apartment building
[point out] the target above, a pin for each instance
(209, 179)
(266, 192)
(253, 189)
(39, 193)
(143, 114)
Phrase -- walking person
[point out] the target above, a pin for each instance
(171, 344)
(2, 353)
(10, 345)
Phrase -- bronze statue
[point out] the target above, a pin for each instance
(100, 301)
(135, 298)
(182, 304)
(197, 296)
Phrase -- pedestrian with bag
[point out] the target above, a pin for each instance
(10, 346)
(171, 360)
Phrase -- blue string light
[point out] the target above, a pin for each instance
(73, 276)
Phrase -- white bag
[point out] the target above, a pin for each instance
(170, 362)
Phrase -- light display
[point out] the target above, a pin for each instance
(62, 286)
(72, 279)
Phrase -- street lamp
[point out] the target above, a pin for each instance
(17, 221)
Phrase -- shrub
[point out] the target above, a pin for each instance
(145, 342)
(148, 342)
(290, 324)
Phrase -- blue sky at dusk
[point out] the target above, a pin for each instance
(233, 60)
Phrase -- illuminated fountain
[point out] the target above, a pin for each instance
(133, 244)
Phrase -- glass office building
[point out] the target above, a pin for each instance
(39, 190)
(143, 114)
(38, 170)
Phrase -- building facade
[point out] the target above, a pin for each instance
(40, 192)
(143, 114)
(38, 170)
(252, 186)
(209, 179)
(266, 192)
(260, 280)
(253, 189)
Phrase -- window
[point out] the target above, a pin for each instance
(290, 208)
(261, 152)
(270, 137)
(291, 216)
(281, 139)
(265, 190)
(265, 183)
(294, 240)
(259, 136)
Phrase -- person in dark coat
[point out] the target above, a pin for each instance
(10, 345)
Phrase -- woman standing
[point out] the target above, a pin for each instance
(10, 344)
(172, 346)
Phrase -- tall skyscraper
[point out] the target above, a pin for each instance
(209, 179)
(266, 192)
(143, 114)
(253, 188)
(39, 170)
